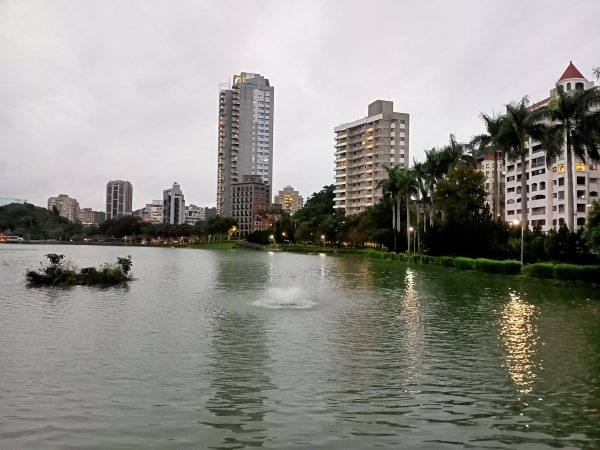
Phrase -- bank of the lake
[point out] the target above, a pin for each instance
(240, 349)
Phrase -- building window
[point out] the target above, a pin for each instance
(580, 180)
(561, 181)
(580, 207)
(542, 186)
(580, 167)
(580, 221)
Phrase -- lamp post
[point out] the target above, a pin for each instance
(323, 240)
(516, 222)
(411, 229)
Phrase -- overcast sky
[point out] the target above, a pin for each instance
(122, 89)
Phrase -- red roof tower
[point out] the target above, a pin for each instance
(571, 72)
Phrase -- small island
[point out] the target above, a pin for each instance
(62, 273)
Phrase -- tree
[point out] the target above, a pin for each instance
(399, 184)
(596, 71)
(467, 227)
(574, 119)
(517, 126)
(592, 227)
(490, 142)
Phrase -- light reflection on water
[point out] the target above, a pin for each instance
(520, 337)
(240, 349)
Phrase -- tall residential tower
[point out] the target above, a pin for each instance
(363, 149)
(245, 136)
(119, 198)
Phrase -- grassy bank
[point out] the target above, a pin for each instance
(225, 245)
(560, 272)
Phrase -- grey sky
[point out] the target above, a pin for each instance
(112, 89)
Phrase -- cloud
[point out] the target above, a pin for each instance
(99, 90)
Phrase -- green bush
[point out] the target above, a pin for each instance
(464, 263)
(540, 270)
(511, 267)
(446, 261)
(572, 272)
(488, 265)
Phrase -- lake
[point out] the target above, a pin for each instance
(240, 349)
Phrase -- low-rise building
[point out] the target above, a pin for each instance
(88, 216)
(67, 207)
(250, 198)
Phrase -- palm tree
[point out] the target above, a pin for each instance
(573, 118)
(596, 71)
(512, 136)
(399, 183)
(489, 142)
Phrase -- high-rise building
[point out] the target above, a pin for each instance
(67, 207)
(173, 205)
(245, 135)
(250, 197)
(547, 186)
(119, 198)
(289, 200)
(363, 150)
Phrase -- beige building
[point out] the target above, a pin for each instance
(290, 200)
(547, 186)
(88, 216)
(363, 150)
(67, 207)
(492, 167)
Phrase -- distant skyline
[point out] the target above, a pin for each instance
(102, 90)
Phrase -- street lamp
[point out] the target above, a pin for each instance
(323, 240)
(411, 229)
(516, 222)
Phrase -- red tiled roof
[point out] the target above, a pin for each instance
(538, 104)
(571, 72)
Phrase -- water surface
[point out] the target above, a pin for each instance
(242, 349)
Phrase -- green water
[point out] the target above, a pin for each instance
(243, 349)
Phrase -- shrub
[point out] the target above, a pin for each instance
(446, 261)
(511, 267)
(464, 263)
(57, 273)
(572, 272)
(540, 270)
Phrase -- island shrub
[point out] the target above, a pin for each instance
(58, 272)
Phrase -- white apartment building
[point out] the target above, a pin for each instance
(363, 149)
(547, 186)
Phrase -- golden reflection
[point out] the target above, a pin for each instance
(520, 337)
(409, 311)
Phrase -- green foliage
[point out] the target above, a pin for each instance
(125, 264)
(259, 237)
(33, 222)
(565, 272)
(592, 227)
(59, 273)
(464, 263)
(539, 270)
